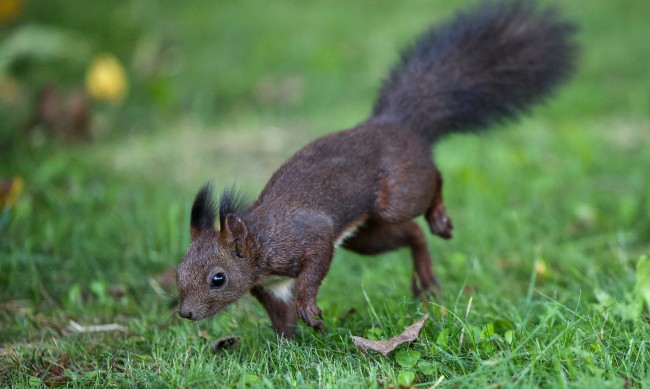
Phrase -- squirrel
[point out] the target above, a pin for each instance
(361, 188)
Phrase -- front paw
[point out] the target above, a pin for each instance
(310, 314)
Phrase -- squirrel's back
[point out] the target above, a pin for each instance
(483, 67)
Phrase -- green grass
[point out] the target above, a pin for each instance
(552, 215)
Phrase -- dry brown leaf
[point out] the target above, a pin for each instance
(224, 343)
(67, 115)
(384, 347)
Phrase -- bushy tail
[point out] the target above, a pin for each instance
(483, 67)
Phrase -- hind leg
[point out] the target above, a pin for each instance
(411, 186)
(436, 215)
(377, 237)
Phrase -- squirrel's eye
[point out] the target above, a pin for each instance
(218, 280)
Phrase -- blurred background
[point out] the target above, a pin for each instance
(113, 113)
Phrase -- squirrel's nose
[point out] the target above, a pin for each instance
(185, 314)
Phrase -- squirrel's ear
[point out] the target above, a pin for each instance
(203, 212)
(234, 230)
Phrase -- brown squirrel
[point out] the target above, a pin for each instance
(361, 188)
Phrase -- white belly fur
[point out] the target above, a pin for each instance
(349, 230)
(279, 286)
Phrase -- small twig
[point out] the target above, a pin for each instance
(440, 379)
(78, 328)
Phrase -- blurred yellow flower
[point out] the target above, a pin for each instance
(106, 79)
(10, 10)
(9, 191)
(542, 269)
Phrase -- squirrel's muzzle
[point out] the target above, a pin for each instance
(185, 313)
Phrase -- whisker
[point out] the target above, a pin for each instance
(171, 316)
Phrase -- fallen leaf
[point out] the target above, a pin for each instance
(386, 346)
(57, 371)
(58, 379)
(224, 343)
(64, 114)
(16, 307)
(117, 291)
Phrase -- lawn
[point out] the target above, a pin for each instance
(542, 286)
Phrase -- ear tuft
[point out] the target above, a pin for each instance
(203, 210)
(231, 202)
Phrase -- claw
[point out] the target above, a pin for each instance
(309, 315)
